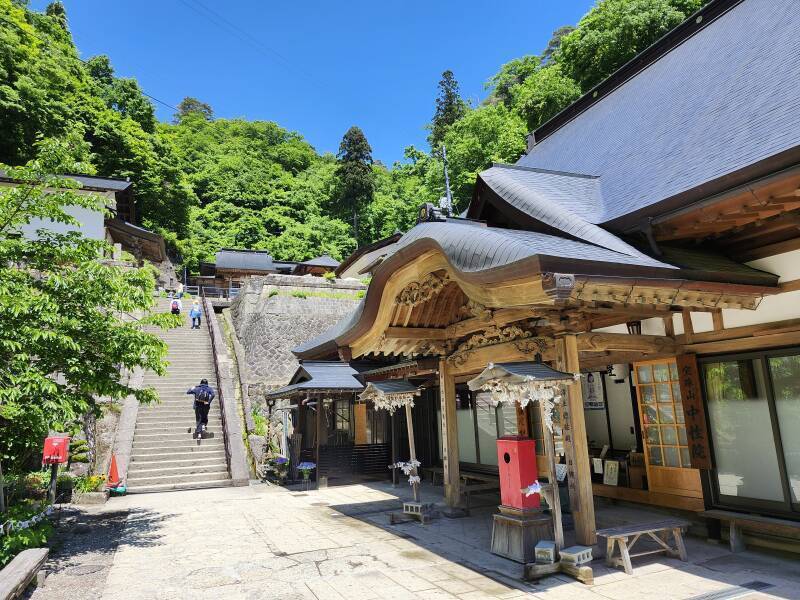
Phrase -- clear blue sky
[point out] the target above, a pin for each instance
(316, 67)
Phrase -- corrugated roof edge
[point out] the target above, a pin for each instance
(665, 44)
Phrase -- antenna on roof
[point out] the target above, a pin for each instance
(446, 203)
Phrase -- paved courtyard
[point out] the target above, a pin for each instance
(266, 542)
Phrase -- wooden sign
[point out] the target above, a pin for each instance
(693, 410)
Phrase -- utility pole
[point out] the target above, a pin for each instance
(448, 195)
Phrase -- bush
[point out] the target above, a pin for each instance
(298, 294)
(330, 276)
(360, 294)
(88, 483)
(16, 541)
(260, 422)
(273, 293)
(82, 457)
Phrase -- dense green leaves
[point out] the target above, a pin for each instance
(67, 324)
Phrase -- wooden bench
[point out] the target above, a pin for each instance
(433, 472)
(770, 525)
(20, 572)
(658, 531)
(485, 483)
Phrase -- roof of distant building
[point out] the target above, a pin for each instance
(322, 261)
(244, 260)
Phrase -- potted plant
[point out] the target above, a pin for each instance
(305, 468)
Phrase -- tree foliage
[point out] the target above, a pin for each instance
(449, 108)
(356, 179)
(63, 338)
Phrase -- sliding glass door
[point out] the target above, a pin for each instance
(754, 418)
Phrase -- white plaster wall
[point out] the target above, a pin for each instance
(620, 412)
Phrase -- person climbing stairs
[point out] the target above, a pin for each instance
(166, 455)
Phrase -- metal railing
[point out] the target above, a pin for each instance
(215, 292)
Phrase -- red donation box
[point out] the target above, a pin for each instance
(516, 460)
(56, 450)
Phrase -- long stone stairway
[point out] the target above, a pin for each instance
(165, 455)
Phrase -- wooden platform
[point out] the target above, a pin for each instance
(21, 572)
(648, 497)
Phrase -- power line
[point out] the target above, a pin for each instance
(243, 35)
(46, 46)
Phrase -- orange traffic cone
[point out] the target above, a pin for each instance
(113, 473)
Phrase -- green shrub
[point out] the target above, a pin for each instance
(260, 422)
(366, 280)
(88, 483)
(360, 294)
(127, 256)
(299, 294)
(273, 293)
(18, 540)
(81, 457)
(330, 276)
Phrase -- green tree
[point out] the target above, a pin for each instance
(356, 179)
(613, 32)
(511, 75)
(449, 108)
(190, 106)
(554, 44)
(63, 335)
(544, 94)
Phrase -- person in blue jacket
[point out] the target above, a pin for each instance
(195, 313)
(203, 395)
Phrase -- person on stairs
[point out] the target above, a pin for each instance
(175, 306)
(195, 313)
(203, 395)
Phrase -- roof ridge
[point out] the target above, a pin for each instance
(540, 170)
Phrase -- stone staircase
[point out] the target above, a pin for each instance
(165, 455)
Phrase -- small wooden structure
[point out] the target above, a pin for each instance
(17, 575)
(659, 532)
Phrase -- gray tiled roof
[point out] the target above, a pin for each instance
(472, 248)
(565, 201)
(322, 261)
(247, 260)
(320, 375)
(722, 100)
(393, 386)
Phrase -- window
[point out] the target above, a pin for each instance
(663, 423)
(342, 416)
(754, 418)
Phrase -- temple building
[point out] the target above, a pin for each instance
(648, 240)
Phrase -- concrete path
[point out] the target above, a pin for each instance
(266, 542)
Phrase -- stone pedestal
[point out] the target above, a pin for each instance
(515, 533)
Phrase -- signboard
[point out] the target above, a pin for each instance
(611, 472)
(592, 388)
(693, 410)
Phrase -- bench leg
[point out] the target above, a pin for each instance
(610, 543)
(736, 539)
(677, 535)
(626, 557)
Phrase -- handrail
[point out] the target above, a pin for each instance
(220, 395)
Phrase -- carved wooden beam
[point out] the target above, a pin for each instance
(650, 344)
(423, 290)
(416, 333)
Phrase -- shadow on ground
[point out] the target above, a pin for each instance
(82, 550)
(711, 572)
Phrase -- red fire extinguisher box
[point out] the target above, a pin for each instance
(516, 460)
(56, 450)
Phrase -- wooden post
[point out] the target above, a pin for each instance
(360, 418)
(688, 327)
(555, 505)
(522, 421)
(412, 450)
(447, 397)
(576, 447)
(320, 408)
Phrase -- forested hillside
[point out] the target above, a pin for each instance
(205, 183)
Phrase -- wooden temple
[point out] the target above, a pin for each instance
(662, 268)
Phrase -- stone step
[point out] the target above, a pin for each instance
(169, 437)
(175, 418)
(219, 475)
(191, 445)
(173, 454)
(178, 468)
(178, 486)
(174, 428)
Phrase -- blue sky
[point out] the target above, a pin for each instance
(316, 67)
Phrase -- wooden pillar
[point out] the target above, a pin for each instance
(412, 448)
(447, 397)
(360, 418)
(395, 448)
(581, 501)
(555, 500)
(522, 421)
(320, 408)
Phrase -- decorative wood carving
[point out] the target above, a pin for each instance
(491, 337)
(421, 291)
(476, 309)
(433, 348)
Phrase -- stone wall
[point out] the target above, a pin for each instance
(275, 313)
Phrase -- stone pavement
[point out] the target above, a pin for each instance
(267, 542)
